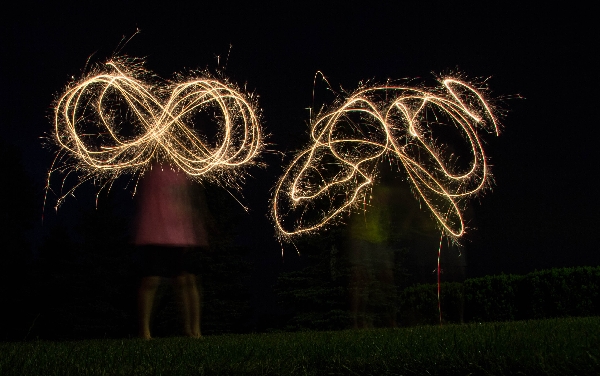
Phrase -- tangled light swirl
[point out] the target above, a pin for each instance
(122, 118)
(408, 125)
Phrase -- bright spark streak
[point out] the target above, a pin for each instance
(327, 179)
(122, 118)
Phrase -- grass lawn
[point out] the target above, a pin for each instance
(569, 346)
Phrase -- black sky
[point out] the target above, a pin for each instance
(543, 209)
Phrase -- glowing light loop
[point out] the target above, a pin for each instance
(122, 118)
(328, 178)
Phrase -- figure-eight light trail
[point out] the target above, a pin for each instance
(121, 119)
(407, 125)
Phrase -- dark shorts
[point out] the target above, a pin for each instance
(167, 261)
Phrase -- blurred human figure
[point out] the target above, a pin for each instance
(371, 256)
(168, 231)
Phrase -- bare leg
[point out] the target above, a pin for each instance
(189, 296)
(184, 302)
(146, 294)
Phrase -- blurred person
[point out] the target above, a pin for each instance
(168, 232)
(372, 259)
(391, 235)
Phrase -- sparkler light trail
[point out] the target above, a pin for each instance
(121, 118)
(407, 125)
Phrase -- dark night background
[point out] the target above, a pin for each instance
(542, 211)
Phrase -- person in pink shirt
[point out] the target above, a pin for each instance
(168, 228)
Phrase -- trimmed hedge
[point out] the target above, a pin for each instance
(541, 294)
(492, 298)
(561, 292)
